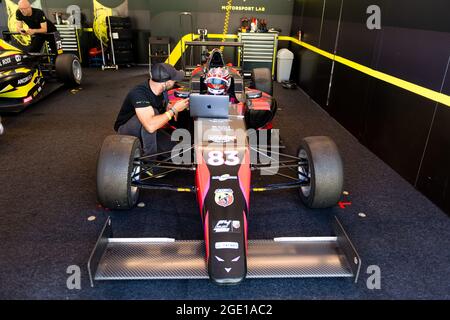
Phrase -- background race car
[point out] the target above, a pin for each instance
(26, 77)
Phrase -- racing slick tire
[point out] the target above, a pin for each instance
(68, 69)
(262, 80)
(324, 169)
(115, 168)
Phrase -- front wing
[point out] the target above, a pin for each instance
(164, 258)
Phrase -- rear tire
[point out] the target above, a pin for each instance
(68, 69)
(262, 80)
(115, 169)
(325, 170)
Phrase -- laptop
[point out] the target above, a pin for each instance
(209, 106)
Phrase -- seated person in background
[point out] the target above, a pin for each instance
(38, 26)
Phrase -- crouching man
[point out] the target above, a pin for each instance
(143, 111)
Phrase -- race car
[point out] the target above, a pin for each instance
(27, 77)
(225, 153)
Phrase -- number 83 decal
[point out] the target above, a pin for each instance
(219, 158)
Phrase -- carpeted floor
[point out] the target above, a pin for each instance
(47, 192)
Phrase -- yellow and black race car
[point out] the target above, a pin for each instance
(27, 77)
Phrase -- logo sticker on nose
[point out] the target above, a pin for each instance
(223, 226)
(224, 197)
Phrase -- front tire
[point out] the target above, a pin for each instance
(323, 167)
(68, 69)
(115, 169)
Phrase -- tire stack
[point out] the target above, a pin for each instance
(122, 39)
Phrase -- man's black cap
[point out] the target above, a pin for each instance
(162, 72)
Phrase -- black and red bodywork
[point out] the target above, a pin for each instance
(225, 220)
(223, 193)
(223, 160)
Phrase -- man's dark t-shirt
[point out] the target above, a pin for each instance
(140, 96)
(34, 21)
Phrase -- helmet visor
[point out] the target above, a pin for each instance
(217, 81)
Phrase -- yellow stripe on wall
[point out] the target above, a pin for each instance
(409, 86)
(179, 49)
(406, 85)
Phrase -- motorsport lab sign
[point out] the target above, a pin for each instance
(243, 8)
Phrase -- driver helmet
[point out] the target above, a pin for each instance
(218, 81)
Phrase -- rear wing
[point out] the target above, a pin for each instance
(189, 68)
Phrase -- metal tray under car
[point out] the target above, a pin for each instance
(165, 258)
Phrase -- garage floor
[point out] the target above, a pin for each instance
(47, 192)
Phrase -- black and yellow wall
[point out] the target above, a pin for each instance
(391, 117)
(409, 131)
(161, 18)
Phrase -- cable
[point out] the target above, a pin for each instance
(226, 22)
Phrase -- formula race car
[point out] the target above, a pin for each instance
(27, 77)
(224, 151)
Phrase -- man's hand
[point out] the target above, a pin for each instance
(180, 105)
(30, 32)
